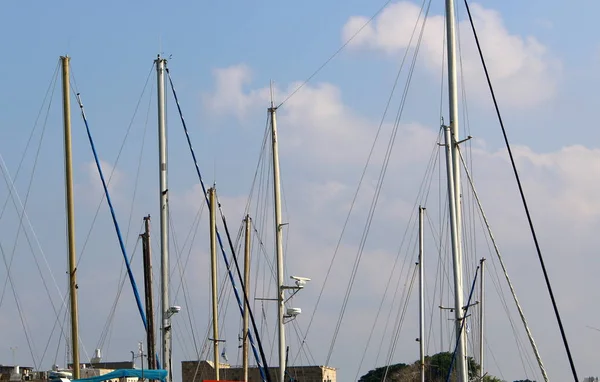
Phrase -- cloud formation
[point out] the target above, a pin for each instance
(523, 70)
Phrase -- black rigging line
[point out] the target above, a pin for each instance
(245, 293)
(265, 366)
(521, 192)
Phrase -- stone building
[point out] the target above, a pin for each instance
(199, 371)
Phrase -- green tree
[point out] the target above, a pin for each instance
(436, 370)
(489, 378)
(376, 375)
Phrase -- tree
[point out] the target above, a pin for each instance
(377, 374)
(436, 370)
(488, 378)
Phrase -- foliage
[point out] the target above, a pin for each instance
(489, 378)
(377, 374)
(436, 370)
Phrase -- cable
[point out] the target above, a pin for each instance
(378, 188)
(264, 367)
(462, 325)
(497, 251)
(87, 238)
(334, 54)
(522, 193)
(114, 217)
(21, 316)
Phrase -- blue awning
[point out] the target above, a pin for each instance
(121, 373)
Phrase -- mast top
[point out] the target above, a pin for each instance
(273, 108)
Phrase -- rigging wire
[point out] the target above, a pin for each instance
(12, 190)
(108, 324)
(400, 322)
(360, 182)
(334, 54)
(109, 320)
(114, 167)
(49, 91)
(14, 196)
(264, 368)
(410, 226)
(30, 343)
(113, 215)
(497, 252)
(17, 202)
(377, 188)
(182, 284)
(462, 325)
(522, 193)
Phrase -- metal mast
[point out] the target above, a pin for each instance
(481, 312)
(278, 243)
(246, 307)
(421, 297)
(164, 218)
(213, 276)
(453, 169)
(70, 208)
(146, 249)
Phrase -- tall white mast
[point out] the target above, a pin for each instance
(164, 218)
(213, 276)
(453, 169)
(421, 298)
(481, 313)
(247, 248)
(278, 243)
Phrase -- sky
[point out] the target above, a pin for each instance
(543, 61)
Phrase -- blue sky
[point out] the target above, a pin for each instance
(222, 58)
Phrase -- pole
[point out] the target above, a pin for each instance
(164, 218)
(213, 274)
(454, 166)
(246, 306)
(481, 312)
(70, 215)
(278, 243)
(142, 359)
(458, 297)
(421, 297)
(150, 342)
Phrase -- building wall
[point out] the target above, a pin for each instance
(194, 371)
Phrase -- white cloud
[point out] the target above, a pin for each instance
(523, 71)
(91, 190)
(315, 122)
(229, 96)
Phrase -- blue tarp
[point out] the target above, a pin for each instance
(121, 373)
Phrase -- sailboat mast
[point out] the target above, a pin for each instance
(146, 249)
(481, 312)
(278, 243)
(70, 214)
(247, 222)
(421, 298)
(164, 218)
(452, 140)
(213, 276)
